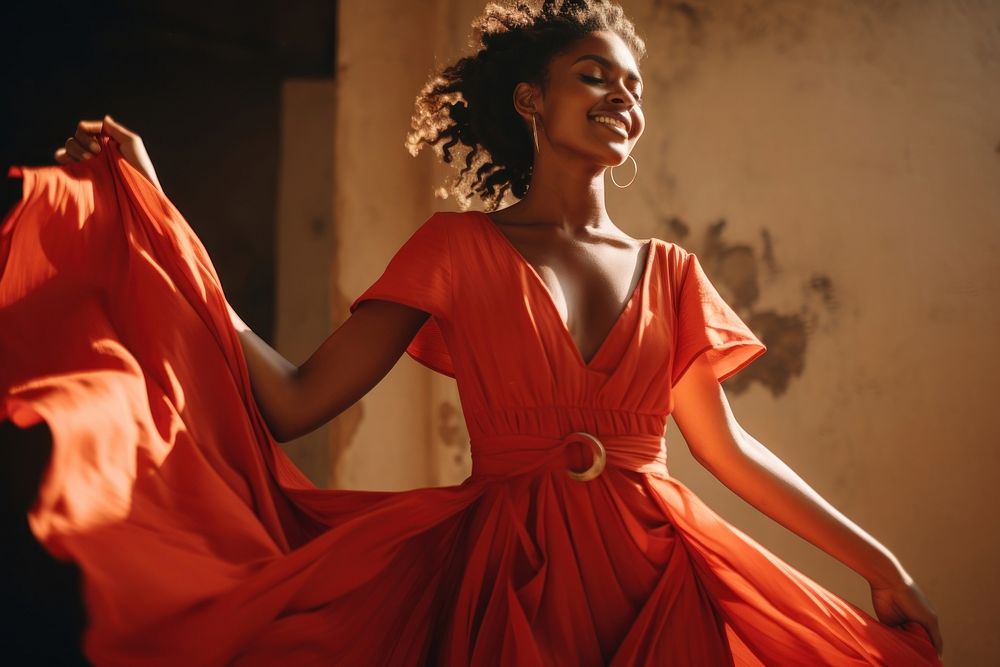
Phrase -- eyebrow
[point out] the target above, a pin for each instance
(607, 63)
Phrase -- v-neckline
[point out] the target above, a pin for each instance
(551, 303)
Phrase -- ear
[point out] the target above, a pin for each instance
(527, 100)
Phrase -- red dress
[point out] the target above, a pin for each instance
(201, 544)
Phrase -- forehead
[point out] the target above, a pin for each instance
(603, 47)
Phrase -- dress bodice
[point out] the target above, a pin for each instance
(494, 328)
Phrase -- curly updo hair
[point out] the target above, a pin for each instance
(470, 103)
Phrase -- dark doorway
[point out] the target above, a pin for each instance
(201, 83)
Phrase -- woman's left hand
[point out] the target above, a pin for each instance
(899, 603)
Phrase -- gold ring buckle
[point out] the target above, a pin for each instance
(597, 467)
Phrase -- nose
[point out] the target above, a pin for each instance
(622, 95)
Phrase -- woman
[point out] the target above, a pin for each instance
(571, 344)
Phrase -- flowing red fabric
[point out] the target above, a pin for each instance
(201, 544)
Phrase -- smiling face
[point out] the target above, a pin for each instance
(591, 102)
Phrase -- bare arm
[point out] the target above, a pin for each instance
(753, 472)
(350, 362)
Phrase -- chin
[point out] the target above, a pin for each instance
(616, 157)
(605, 154)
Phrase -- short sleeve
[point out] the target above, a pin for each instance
(706, 323)
(419, 275)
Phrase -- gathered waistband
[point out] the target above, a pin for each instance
(507, 455)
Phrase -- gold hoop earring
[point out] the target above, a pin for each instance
(534, 132)
(633, 175)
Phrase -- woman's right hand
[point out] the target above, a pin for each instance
(84, 145)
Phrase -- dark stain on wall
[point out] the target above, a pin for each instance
(452, 432)
(691, 26)
(678, 229)
(738, 271)
(691, 13)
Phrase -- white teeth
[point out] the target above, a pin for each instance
(614, 122)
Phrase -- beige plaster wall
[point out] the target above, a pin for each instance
(836, 165)
(305, 244)
(380, 196)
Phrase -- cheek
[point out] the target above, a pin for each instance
(567, 121)
(640, 121)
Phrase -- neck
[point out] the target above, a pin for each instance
(566, 194)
